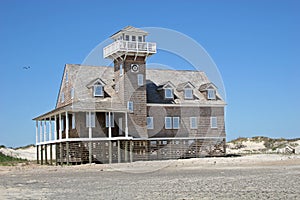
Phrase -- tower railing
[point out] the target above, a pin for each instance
(120, 46)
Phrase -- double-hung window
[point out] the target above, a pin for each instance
(130, 106)
(211, 94)
(188, 93)
(112, 122)
(176, 122)
(149, 122)
(193, 123)
(168, 93)
(98, 90)
(90, 119)
(168, 122)
(140, 78)
(213, 122)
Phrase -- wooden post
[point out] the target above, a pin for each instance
(37, 154)
(109, 152)
(126, 151)
(46, 152)
(36, 132)
(90, 125)
(51, 161)
(119, 151)
(130, 151)
(90, 152)
(41, 131)
(67, 152)
(61, 153)
(41, 154)
(56, 154)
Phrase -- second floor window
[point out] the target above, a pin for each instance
(90, 119)
(98, 90)
(140, 78)
(112, 122)
(130, 106)
(149, 122)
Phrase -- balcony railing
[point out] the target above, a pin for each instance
(122, 46)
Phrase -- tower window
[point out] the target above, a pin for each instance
(140, 78)
(130, 106)
(211, 94)
(140, 39)
(133, 38)
(98, 90)
(149, 122)
(121, 69)
(213, 122)
(73, 121)
(193, 123)
(188, 93)
(67, 77)
(72, 93)
(168, 93)
(62, 98)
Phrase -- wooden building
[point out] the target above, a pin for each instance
(128, 113)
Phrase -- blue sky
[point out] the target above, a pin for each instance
(255, 45)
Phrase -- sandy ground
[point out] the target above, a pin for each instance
(247, 177)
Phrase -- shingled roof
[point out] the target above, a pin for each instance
(80, 76)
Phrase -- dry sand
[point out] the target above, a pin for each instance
(247, 177)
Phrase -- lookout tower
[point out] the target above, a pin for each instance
(129, 52)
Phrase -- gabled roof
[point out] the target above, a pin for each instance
(167, 84)
(129, 30)
(184, 85)
(95, 82)
(207, 86)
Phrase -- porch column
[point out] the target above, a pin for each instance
(67, 125)
(55, 127)
(60, 130)
(90, 124)
(61, 153)
(41, 131)
(50, 129)
(42, 154)
(109, 125)
(126, 151)
(45, 130)
(36, 132)
(67, 152)
(126, 125)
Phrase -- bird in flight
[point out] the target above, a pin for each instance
(28, 67)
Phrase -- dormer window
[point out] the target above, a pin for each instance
(188, 93)
(169, 93)
(211, 94)
(98, 90)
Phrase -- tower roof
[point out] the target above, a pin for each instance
(129, 30)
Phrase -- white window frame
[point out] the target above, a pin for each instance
(112, 120)
(126, 37)
(186, 90)
(73, 121)
(211, 94)
(121, 69)
(130, 106)
(193, 123)
(72, 93)
(168, 120)
(140, 79)
(140, 38)
(133, 38)
(176, 122)
(95, 89)
(150, 124)
(166, 93)
(213, 122)
(90, 122)
(62, 98)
